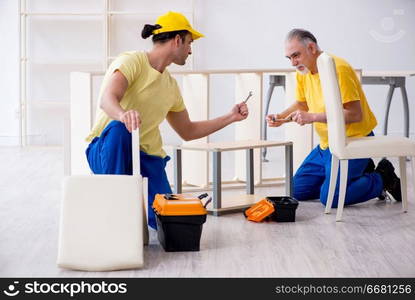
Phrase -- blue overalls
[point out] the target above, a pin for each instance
(312, 179)
(111, 154)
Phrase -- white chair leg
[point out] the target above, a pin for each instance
(344, 165)
(404, 190)
(145, 214)
(413, 173)
(333, 180)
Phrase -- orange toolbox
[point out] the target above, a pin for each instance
(259, 211)
(277, 208)
(180, 218)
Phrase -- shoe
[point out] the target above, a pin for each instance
(391, 182)
(370, 168)
(383, 196)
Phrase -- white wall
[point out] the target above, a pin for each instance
(250, 34)
(9, 76)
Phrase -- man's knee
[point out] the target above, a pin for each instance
(116, 135)
(304, 192)
(116, 141)
(303, 195)
(300, 195)
(118, 128)
(303, 189)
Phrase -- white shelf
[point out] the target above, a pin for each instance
(120, 13)
(44, 14)
(62, 62)
(131, 13)
(39, 35)
(49, 103)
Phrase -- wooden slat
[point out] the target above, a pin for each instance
(388, 73)
(234, 71)
(232, 145)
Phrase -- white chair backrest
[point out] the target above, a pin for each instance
(333, 103)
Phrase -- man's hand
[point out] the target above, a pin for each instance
(302, 117)
(239, 112)
(276, 120)
(131, 119)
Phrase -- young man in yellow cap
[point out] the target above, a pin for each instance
(138, 91)
(312, 178)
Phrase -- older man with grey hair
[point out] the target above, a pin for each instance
(312, 178)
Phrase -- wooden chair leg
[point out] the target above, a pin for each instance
(145, 214)
(413, 173)
(333, 180)
(344, 164)
(404, 190)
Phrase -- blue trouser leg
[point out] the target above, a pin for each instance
(309, 177)
(313, 178)
(111, 154)
(153, 167)
(360, 186)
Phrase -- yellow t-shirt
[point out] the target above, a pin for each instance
(309, 90)
(151, 93)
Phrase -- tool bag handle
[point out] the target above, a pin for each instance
(135, 144)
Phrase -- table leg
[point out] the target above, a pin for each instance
(274, 81)
(250, 171)
(388, 105)
(265, 126)
(405, 110)
(289, 170)
(217, 182)
(177, 155)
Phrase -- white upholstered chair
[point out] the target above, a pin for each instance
(102, 223)
(344, 148)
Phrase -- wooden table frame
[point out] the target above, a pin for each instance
(217, 149)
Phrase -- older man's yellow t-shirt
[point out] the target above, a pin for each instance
(151, 93)
(309, 90)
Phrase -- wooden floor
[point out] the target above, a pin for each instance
(375, 240)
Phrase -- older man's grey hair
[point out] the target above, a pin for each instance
(303, 36)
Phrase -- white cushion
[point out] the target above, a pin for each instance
(101, 225)
(376, 146)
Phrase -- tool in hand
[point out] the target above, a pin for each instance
(249, 96)
(287, 119)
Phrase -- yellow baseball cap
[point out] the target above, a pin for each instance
(173, 21)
